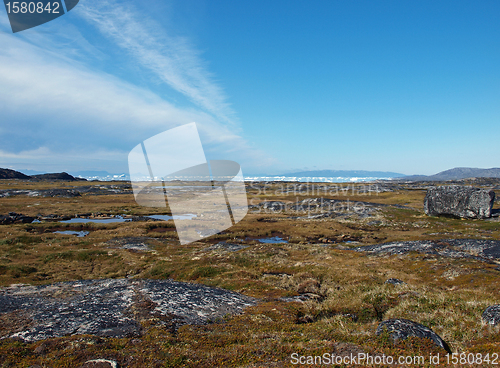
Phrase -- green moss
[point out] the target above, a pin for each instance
(206, 272)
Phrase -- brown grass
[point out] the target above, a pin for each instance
(349, 297)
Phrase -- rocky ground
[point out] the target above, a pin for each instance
(111, 307)
(313, 268)
(69, 192)
(484, 250)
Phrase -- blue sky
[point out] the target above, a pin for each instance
(278, 86)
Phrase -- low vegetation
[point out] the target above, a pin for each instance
(347, 296)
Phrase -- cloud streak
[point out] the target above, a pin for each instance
(172, 59)
(58, 111)
(61, 111)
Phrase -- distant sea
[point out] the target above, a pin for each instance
(110, 177)
(298, 179)
(317, 179)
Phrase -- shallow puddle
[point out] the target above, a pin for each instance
(272, 240)
(79, 234)
(78, 220)
(188, 216)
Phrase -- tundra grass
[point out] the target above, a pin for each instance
(347, 293)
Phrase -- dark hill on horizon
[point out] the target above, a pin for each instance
(346, 173)
(12, 174)
(456, 174)
(56, 176)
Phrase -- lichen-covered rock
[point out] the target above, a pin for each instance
(460, 201)
(491, 315)
(394, 281)
(99, 363)
(230, 247)
(401, 329)
(111, 307)
(273, 205)
(133, 243)
(15, 218)
(480, 249)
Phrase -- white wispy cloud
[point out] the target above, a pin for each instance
(37, 86)
(58, 110)
(171, 58)
(55, 110)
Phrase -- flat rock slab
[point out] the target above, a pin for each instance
(485, 250)
(318, 206)
(99, 363)
(230, 247)
(14, 218)
(491, 315)
(394, 281)
(138, 244)
(112, 307)
(401, 329)
(459, 201)
(65, 193)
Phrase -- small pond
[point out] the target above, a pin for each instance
(79, 220)
(272, 240)
(188, 216)
(79, 234)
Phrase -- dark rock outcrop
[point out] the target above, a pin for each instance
(394, 281)
(321, 207)
(401, 329)
(69, 193)
(65, 193)
(484, 250)
(53, 217)
(491, 315)
(459, 201)
(100, 363)
(137, 244)
(15, 218)
(104, 189)
(274, 205)
(230, 247)
(112, 307)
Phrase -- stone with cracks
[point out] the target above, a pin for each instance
(394, 281)
(459, 201)
(401, 329)
(111, 307)
(491, 315)
(480, 249)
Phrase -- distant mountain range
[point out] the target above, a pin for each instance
(452, 174)
(345, 174)
(457, 173)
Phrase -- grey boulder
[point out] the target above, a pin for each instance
(401, 329)
(459, 201)
(491, 315)
(112, 307)
(394, 281)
